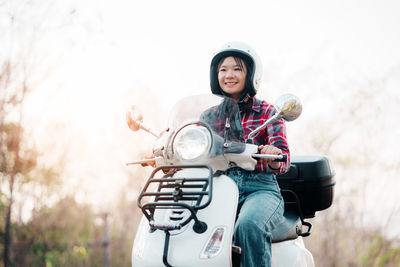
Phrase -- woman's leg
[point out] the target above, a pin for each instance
(259, 214)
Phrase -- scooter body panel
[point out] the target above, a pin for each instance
(186, 246)
(291, 253)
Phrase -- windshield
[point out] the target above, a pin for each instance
(221, 114)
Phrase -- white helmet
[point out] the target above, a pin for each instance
(249, 56)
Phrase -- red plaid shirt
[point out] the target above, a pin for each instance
(274, 134)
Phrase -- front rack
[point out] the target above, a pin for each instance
(172, 193)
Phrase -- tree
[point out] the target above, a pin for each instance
(348, 234)
(15, 160)
(17, 78)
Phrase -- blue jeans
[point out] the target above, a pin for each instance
(260, 210)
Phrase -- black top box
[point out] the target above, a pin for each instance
(309, 182)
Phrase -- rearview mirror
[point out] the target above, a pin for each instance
(288, 107)
(134, 118)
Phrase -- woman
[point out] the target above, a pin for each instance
(236, 72)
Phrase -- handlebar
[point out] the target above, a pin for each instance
(277, 158)
(143, 161)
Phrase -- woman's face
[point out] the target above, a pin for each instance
(232, 77)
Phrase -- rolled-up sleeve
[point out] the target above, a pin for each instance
(274, 134)
(277, 137)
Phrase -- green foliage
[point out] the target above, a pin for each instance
(381, 253)
(336, 240)
(71, 234)
(61, 235)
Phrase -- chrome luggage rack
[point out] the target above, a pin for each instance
(175, 193)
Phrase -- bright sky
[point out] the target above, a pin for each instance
(105, 55)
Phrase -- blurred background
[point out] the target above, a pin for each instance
(69, 69)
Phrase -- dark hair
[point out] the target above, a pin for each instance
(240, 59)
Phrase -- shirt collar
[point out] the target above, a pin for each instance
(256, 105)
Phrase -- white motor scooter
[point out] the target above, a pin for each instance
(190, 205)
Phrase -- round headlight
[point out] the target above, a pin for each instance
(192, 142)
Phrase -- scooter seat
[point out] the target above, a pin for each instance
(289, 229)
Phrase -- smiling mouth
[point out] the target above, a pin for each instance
(230, 83)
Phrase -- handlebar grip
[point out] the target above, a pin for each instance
(283, 159)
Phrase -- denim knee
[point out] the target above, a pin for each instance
(246, 224)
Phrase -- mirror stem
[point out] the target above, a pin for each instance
(265, 124)
(147, 129)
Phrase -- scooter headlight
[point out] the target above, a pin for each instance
(192, 141)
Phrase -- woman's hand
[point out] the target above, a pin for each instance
(268, 149)
(152, 163)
